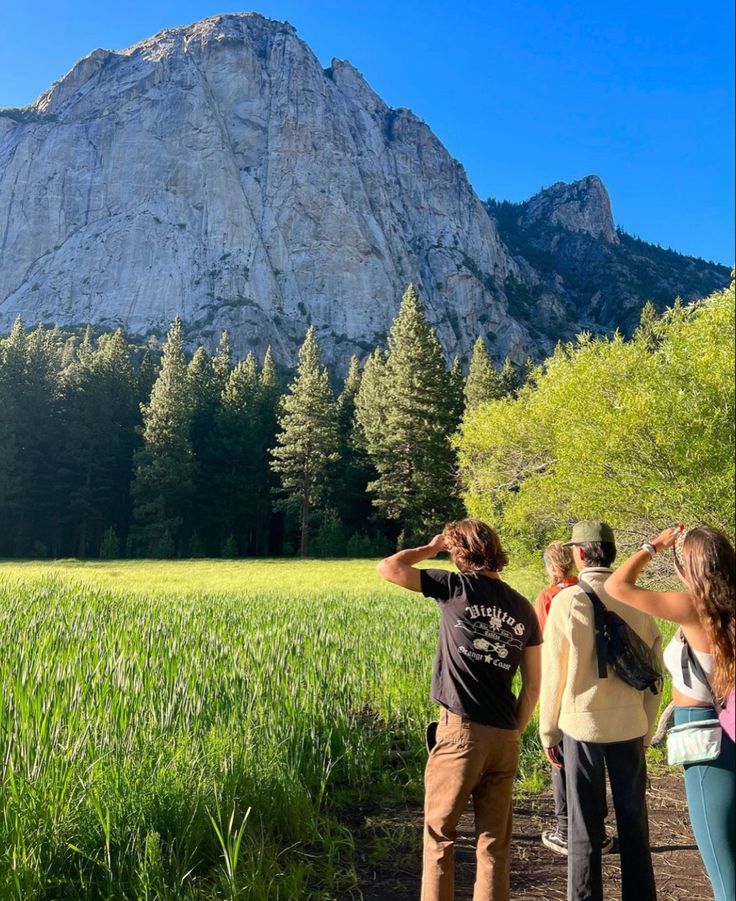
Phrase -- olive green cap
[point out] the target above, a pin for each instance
(588, 530)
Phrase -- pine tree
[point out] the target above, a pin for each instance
(406, 414)
(237, 456)
(12, 374)
(370, 402)
(99, 440)
(222, 361)
(204, 390)
(31, 421)
(457, 393)
(110, 546)
(307, 443)
(163, 485)
(484, 382)
(348, 494)
(145, 376)
(509, 378)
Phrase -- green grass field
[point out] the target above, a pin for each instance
(202, 729)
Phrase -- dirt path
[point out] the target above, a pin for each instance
(392, 860)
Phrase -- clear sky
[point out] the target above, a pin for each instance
(523, 92)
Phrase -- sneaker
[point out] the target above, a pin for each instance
(555, 842)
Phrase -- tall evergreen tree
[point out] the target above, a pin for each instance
(407, 425)
(222, 361)
(12, 378)
(270, 538)
(370, 401)
(484, 382)
(349, 498)
(100, 418)
(163, 483)
(32, 422)
(238, 458)
(457, 393)
(205, 389)
(308, 440)
(509, 378)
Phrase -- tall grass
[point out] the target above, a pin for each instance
(196, 730)
(201, 730)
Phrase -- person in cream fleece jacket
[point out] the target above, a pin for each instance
(596, 725)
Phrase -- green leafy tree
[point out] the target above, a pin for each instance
(652, 442)
(307, 444)
(649, 331)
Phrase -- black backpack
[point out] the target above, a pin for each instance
(618, 646)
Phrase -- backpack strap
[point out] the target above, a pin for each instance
(689, 661)
(599, 612)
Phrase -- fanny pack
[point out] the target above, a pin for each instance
(617, 645)
(697, 742)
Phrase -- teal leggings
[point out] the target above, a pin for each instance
(711, 791)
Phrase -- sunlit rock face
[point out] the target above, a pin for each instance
(583, 206)
(219, 172)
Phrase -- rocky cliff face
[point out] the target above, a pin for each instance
(578, 272)
(583, 207)
(216, 171)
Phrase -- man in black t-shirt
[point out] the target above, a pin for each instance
(487, 632)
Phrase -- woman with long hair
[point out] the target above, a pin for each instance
(704, 611)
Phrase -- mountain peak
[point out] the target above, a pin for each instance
(580, 206)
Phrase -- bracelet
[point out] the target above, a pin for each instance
(649, 548)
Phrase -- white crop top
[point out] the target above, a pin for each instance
(673, 662)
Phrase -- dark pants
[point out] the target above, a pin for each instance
(559, 793)
(585, 768)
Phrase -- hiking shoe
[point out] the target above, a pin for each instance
(609, 844)
(555, 842)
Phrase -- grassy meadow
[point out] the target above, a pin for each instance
(204, 729)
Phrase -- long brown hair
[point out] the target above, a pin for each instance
(709, 567)
(559, 561)
(473, 545)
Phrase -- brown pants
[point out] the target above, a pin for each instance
(469, 759)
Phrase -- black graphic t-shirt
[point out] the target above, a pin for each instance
(484, 628)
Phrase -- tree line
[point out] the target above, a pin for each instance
(110, 449)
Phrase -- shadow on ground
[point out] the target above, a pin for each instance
(391, 869)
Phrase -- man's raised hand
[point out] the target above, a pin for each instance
(437, 544)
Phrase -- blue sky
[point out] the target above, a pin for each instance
(523, 93)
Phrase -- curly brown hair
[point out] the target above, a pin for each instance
(473, 545)
(709, 568)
